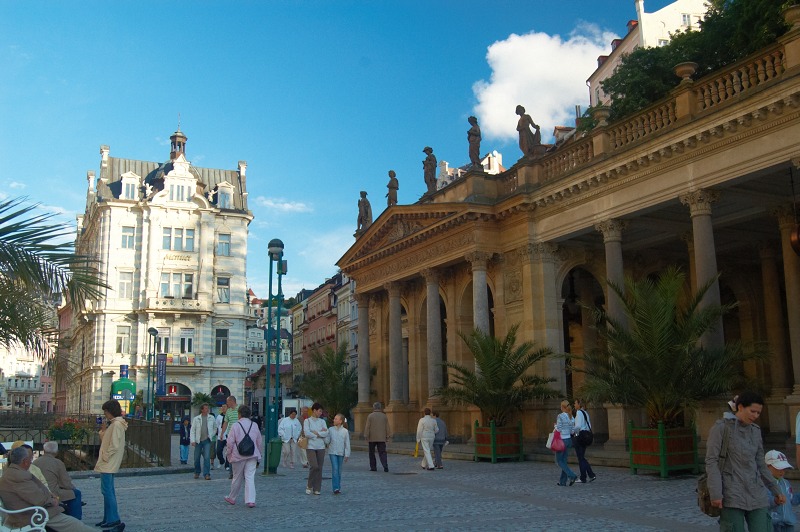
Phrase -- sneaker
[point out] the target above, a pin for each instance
(196, 476)
(385, 469)
(572, 480)
(316, 493)
(308, 491)
(251, 505)
(230, 501)
(592, 479)
(336, 492)
(119, 527)
(582, 482)
(208, 477)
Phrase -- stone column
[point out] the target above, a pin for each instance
(434, 332)
(480, 298)
(612, 238)
(791, 272)
(689, 240)
(395, 344)
(699, 203)
(779, 365)
(364, 369)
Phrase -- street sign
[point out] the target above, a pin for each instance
(161, 374)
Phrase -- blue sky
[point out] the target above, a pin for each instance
(321, 98)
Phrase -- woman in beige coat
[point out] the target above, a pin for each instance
(112, 449)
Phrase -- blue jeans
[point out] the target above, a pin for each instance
(561, 460)
(73, 508)
(184, 454)
(110, 512)
(203, 448)
(336, 471)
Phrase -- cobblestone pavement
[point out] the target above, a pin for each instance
(463, 496)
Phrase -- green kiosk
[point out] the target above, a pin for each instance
(124, 390)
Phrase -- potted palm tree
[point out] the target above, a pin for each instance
(655, 360)
(499, 383)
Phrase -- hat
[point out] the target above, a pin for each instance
(18, 443)
(777, 460)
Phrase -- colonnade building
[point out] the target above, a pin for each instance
(170, 240)
(700, 179)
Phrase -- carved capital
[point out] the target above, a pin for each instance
(699, 201)
(362, 300)
(431, 275)
(539, 252)
(478, 259)
(393, 287)
(611, 229)
(785, 216)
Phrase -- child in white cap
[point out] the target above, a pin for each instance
(783, 518)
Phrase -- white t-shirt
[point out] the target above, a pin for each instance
(220, 418)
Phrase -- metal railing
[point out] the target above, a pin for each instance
(147, 443)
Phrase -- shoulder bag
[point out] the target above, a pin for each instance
(703, 495)
(302, 441)
(585, 437)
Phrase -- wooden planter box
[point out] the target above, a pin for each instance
(662, 449)
(498, 442)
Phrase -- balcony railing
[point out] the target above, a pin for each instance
(178, 305)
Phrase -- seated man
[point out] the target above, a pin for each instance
(19, 489)
(58, 480)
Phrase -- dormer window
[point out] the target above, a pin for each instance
(180, 192)
(130, 186)
(224, 195)
(224, 200)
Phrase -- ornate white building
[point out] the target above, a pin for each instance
(171, 241)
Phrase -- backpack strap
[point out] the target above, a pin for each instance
(586, 419)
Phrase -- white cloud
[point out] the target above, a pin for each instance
(282, 205)
(17, 185)
(544, 73)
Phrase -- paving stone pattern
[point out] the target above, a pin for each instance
(464, 496)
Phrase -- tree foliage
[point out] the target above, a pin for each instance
(731, 30)
(332, 382)
(654, 359)
(37, 263)
(503, 381)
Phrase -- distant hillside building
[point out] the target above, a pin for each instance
(171, 241)
(649, 30)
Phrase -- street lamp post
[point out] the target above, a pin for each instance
(275, 252)
(151, 351)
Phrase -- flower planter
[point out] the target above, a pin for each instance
(792, 16)
(662, 449)
(495, 443)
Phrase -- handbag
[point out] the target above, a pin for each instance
(703, 494)
(554, 442)
(302, 441)
(416, 450)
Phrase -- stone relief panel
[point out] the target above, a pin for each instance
(412, 260)
(513, 286)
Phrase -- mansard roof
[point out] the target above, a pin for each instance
(154, 172)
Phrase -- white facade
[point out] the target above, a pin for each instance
(21, 385)
(649, 30)
(347, 318)
(171, 242)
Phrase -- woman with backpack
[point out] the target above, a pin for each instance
(243, 453)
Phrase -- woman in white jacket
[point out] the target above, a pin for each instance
(338, 450)
(289, 431)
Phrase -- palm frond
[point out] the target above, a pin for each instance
(503, 381)
(654, 358)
